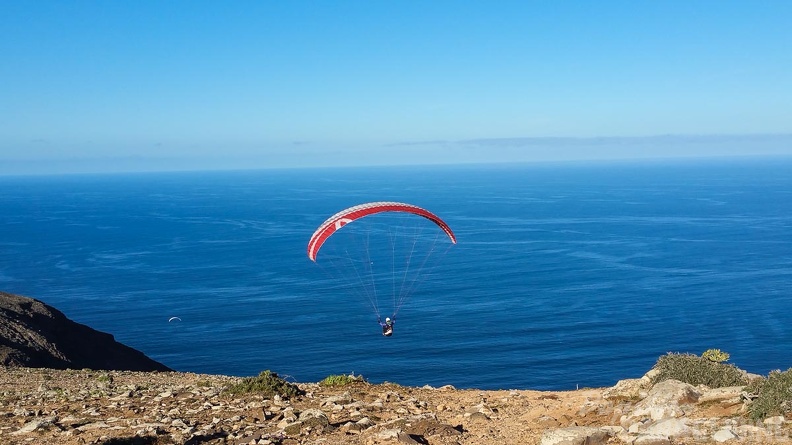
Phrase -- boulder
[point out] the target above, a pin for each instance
(652, 439)
(724, 435)
(775, 421)
(663, 401)
(629, 389)
(576, 435)
(342, 399)
(315, 419)
(670, 428)
(673, 391)
(728, 393)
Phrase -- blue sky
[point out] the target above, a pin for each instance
(145, 85)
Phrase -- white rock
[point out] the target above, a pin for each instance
(339, 399)
(670, 428)
(576, 435)
(625, 437)
(724, 435)
(628, 389)
(652, 439)
(612, 430)
(365, 422)
(774, 421)
(720, 394)
(388, 434)
(664, 399)
(750, 432)
(673, 391)
(659, 412)
(33, 425)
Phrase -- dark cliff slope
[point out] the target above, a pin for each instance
(35, 335)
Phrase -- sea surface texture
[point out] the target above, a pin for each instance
(563, 275)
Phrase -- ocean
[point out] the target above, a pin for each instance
(564, 275)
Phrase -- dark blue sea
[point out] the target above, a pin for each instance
(564, 275)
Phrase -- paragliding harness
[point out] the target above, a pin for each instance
(387, 327)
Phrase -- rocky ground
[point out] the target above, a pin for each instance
(45, 406)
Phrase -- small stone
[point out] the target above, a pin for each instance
(365, 423)
(406, 439)
(340, 399)
(293, 428)
(774, 421)
(388, 434)
(724, 435)
(33, 425)
(652, 439)
(23, 412)
(669, 428)
(478, 417)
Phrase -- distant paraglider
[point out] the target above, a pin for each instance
(387, 249)
(174, 319)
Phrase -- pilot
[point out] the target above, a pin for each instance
(387, 327)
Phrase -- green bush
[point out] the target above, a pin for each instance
(104, 378)
(341, 380)
(697, 370)
(266, 383)
(773, 395)
(715, 355)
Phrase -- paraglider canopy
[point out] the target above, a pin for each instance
(344, 217)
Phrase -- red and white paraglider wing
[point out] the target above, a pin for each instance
(335, 222)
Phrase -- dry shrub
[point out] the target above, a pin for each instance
(695, 370)
(773, 395)
(267, 384)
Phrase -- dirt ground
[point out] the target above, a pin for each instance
(48, 407)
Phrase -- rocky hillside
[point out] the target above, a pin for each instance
(49, 407)
(34, 334)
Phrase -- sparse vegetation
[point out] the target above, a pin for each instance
(716, 355)
(266, 383)
(105, 378)
(341, 380)
(773, 395)
(697, 370)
